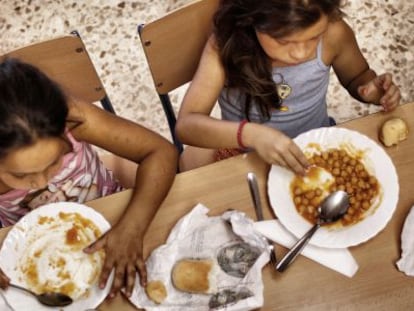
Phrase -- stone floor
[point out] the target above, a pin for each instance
(384, 30)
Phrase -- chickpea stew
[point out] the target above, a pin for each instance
(335, 169)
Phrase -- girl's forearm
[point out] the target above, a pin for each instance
(154, 177)
(207, 132)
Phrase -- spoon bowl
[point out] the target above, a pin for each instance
(50, 299)
(331, 209)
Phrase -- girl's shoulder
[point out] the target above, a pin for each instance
(84, 118)
(338, 35)
(339, 29)
(211, 46)
(76, 111)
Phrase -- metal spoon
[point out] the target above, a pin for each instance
(332, 208)
(49, 298)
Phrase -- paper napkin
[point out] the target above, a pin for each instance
(238, 282)
(406, 262)
(338, 259)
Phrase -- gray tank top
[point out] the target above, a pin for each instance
(306, 104)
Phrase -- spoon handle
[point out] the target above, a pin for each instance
(21, 288)
(296, 249)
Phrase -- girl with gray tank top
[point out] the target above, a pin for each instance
(267, 64)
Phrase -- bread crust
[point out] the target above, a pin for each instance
(193, 275)
(393, 131)
(156, 291)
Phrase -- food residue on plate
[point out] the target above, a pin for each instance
(53, 258)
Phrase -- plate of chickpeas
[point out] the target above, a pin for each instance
(340, 159)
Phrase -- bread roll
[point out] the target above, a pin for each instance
(393, 131)
(156, 291)
(194, 276)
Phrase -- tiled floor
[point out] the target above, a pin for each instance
(384, 29)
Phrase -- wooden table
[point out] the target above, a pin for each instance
(377, 285)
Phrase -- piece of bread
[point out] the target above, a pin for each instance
(156, 291)
(194, 276)
(393, 131)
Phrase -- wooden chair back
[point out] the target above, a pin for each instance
(66, 61)
(173, 45)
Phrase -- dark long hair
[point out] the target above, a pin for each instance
(246, 65)
(31, 106)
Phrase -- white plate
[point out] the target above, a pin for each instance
(376, 161)
(14, 246)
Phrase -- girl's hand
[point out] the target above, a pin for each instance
(381, 91)
(123, 253)
(4, 280)
(276, 148)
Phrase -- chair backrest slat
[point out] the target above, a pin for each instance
(66, 61)
(173, 44)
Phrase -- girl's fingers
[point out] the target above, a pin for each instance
(386, 81)
(363, 91)
(300, 157)
(294, 164)
(142, 270)
(277, 160)
(391, 99)
(289, 155)
(119, 278)
(130, 279)
(296, 159)
(287, 161)
(106, 271)
(393, 102)
(95, 246)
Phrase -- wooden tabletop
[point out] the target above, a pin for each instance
(306, 285)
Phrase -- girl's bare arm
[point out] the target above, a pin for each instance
(157, 159)
(349, 64)
(194, 124)
(354, 72)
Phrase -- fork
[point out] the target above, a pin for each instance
(254, 191)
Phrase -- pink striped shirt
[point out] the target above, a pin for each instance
(81, 178)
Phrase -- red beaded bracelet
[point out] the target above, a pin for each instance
(239, 134)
